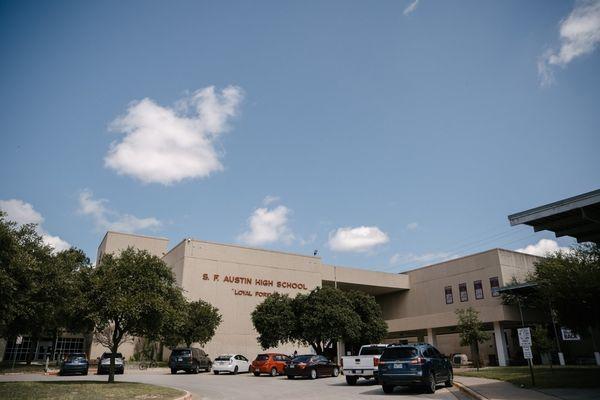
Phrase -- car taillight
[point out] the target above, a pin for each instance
(375, 361)
(418, 360)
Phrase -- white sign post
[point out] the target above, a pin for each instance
(525, 342)
(524, 337)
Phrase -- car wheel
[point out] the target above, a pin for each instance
(336, 372)
(216, 372)
(351, 380)
(430, 387)
(196, 369)
(235, 370)
(209, 367)
(256, 373)
(173, 371)
(450, 380)
(313, 374)
(388, 388)
(290, 376)
(274, 371)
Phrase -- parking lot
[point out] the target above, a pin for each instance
(248, 387)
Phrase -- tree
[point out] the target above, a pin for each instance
(372, 325)
(323, 317)
(274, 320)
(319, 319)
(132, 294)
(542, 343)
(42, 291)
(470, 331)
(571, 281)
(195, 323)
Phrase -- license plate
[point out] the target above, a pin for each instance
(291, 366)
(180, 359)
(257, 370)
(398, 366)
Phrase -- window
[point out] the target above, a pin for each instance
(395, 353)
(478, 290)
(462, 289)
(449, 296)
(495, 285)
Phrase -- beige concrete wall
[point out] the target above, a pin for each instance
(115, 242)
(370, 281)
(235, 280)
(424, 305)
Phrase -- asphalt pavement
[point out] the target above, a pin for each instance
(207, 386)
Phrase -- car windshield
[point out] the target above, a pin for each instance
(180, 353)
(262, 357)
(76, 357)
(372, 351)
(395, 353)
(302, 359)
(223, 358)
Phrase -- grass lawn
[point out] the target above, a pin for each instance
(85, 390)
(558, 377)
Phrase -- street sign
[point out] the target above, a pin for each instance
(527, 353)
(524, 337)
(568, 334)
(19, 340)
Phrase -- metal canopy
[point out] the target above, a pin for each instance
(577, 216)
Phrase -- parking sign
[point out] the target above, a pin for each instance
(527, 353)
(524, 337)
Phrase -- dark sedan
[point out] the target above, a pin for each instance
(311, 366)
(104, 364)
(75, 363)
(418, 364)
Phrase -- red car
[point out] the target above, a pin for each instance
(269, 363)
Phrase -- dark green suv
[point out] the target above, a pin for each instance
(189, 359)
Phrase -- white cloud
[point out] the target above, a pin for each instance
(23, 213)
(359, 239)
(168, 144)
(270, 199)
(412, 226)
(579, 35)
(411, 7)
(425, 258)
(542, 248)
(268, 226)
(109, 220)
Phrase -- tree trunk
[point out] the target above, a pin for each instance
(111, 368)
(475, 353)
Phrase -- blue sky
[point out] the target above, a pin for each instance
(386, 134)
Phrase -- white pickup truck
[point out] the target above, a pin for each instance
(364, 365)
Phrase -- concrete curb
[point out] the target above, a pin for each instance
(468, 391)
(186, 396)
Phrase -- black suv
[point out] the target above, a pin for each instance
(189, 359)
(416, 364)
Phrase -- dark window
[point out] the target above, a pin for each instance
(372, 351)
(223, 358)
(478, 290)
(449, 296)
(395, 353)
(302, 359)
(181, 353)
(462, 289)
(262, 357)
(495, 285)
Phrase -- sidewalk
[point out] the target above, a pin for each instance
(499, 390)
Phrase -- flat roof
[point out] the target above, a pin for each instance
(577, 216)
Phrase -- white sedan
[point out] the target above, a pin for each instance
(232, 363)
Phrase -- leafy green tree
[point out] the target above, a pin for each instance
(42, 291)
(571, 282)
(323, 317)
(470, 331)
(196, 323)
(132, 294)
(274, 320)
(319, 319)
(372, 326)
(542, 343)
